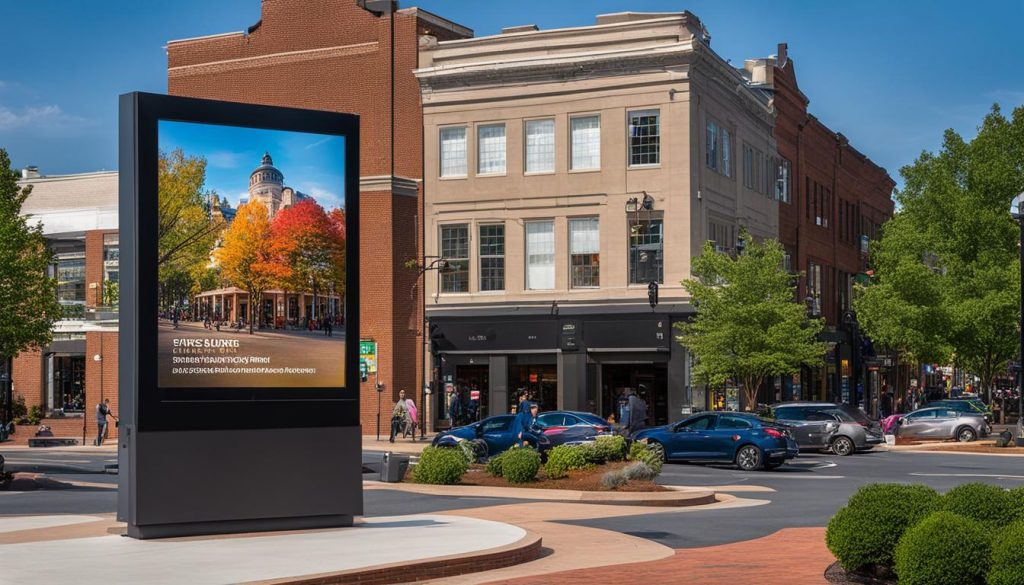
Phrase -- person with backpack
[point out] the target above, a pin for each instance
(637, 412)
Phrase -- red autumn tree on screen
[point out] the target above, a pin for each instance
(247, 257)
(306, 242)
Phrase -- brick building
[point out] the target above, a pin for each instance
(70, 376)
(840, 198)
(338, 56)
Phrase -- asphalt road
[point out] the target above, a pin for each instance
(808, 491)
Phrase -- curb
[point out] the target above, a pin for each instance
(523, 551)
(676, 498)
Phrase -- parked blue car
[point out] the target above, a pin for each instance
(745, 439)
(495, 434)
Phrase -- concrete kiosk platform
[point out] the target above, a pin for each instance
(377, 550)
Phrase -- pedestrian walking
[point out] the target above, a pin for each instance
(623, 403)
(399, 416)
(414, 416)
(885, 404)
(637, 413)
(524, 421)
(328, 328)
(102, 412)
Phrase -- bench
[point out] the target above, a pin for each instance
(52, 442)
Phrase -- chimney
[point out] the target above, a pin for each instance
(762, 71)
(31, 172)
(518, 29)
(782, 54)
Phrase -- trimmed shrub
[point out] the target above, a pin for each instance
(440, 465)
(592, 453)
(991, 505)
(520, 464)
(494, 464)
(943, 549)
(1007, 566)
(639, 471)
(614, 479)
(864, 533)
(641, 452)
(468, 450)
(564, 458)
(611, 447)
(1017, 495)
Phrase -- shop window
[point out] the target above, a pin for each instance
(67, 384)
(455, 250)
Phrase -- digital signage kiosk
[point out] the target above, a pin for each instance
(239, 308)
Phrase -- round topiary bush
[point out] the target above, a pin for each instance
(863, 534)
(1017, 495)
(1007, 564)
(564, 458)
(641, 452)
(611, 447)
(991, 505)
(593, 454)
(943, 549)
(520, 465)
(494, 464)
(440, 465)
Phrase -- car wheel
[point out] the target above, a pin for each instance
(659, 449)
(748, 458)
(966, 434)
(843, 446)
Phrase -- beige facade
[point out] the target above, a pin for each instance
(564, 171)
(626, 63)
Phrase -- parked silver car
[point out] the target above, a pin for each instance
(841, 428)
(942, 423)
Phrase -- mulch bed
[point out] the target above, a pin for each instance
(836, 574)
(587, 480)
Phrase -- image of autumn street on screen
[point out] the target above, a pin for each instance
(251, 258)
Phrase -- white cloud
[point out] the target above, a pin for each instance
(325, 197)
(323, 140)
(46, 117)
(224, 159)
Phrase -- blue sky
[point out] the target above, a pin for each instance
(892, 76)
(311, 163)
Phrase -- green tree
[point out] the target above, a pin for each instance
(748, 326)
(28, 297)
(947, 271)
(247, 258)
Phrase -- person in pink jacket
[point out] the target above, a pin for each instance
(414, 418)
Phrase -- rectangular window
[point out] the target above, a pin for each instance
(748, 166)
(585, 253)
(723, 235)
(540, 146)
(782, 181)
(540, 255)
(814, 287)
(453, 151)
(455, 249)
(492, 257)
(646, 250)
(644, 138)
(726, 153)
(490, 149)
(585, 145)
(759, 171)
(711, 146)
(111, 270)
(70, 273)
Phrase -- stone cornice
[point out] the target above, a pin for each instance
(398, 185)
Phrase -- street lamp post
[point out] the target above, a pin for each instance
(1017, 213)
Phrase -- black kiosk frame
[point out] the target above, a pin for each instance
(217, 460)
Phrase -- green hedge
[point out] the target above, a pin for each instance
(1007, 567)
(563, 459)
(1018, 501)
(611, 447)
(520, 464)
(494, 464)
(991, 505)
(943, 549)
(864, 533)
(641, 452)
(440, 465)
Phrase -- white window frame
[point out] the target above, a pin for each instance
(549, 267)
(573, 146)
(481, 256)
(480, 144)
(467, 259)
(574, 252)
(441, 158)
(629, 137)
(549, 163)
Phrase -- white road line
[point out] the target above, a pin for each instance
(995, 475)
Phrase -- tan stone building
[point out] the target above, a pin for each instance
(565, 171)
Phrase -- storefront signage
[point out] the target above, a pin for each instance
(570, 337)
(368, 356)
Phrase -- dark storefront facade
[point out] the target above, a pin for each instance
(568, 362)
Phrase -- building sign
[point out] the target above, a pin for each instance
(246, 233)
(570, 336)
(368, 356)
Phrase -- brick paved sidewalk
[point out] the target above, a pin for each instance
(791, 556)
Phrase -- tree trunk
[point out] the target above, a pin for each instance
(7, 390)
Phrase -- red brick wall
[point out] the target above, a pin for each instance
(28, 377)
(100, 378)
(332, 55)
(819, 155)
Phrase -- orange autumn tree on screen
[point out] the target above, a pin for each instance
(307, 242)
(247, 256)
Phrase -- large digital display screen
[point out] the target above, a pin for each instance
(251, 258)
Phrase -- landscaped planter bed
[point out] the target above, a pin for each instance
(581, 479)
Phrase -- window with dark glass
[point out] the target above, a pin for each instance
(585, 252)
(492, 257)
(455, 250)
(70, 273)
(644, 138)
(646, 249)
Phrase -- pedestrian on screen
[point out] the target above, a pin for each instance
(102, 412)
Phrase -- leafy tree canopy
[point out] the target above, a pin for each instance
(749, 325)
